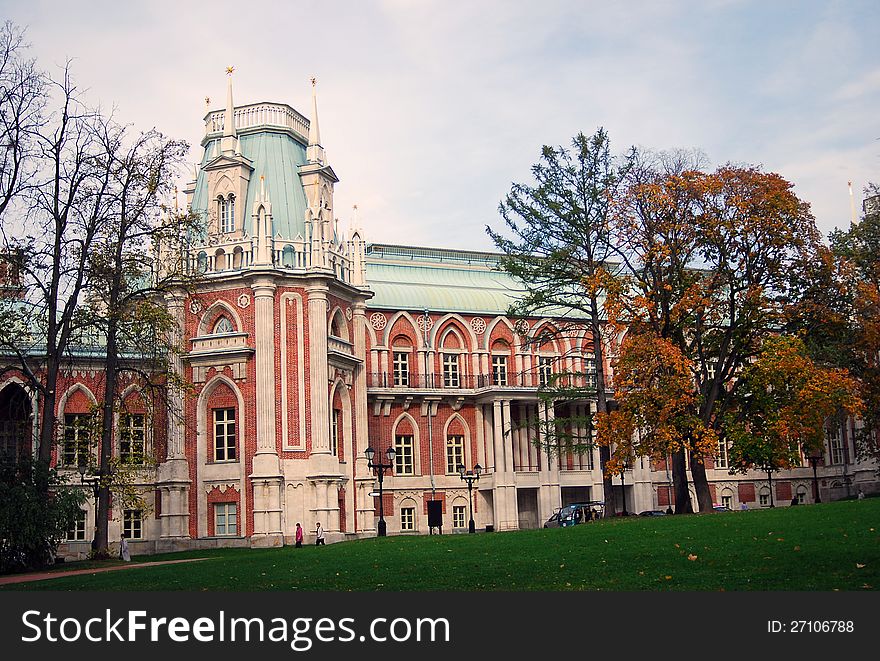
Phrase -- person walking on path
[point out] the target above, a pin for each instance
(319, 536)
(123, 549)
(299, 536)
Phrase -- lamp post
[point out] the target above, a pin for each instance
(470, 477)
(380, 469)
(814, 461)
(94, 482)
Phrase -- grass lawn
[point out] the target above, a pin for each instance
(833, 546)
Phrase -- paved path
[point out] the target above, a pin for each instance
(42, 576)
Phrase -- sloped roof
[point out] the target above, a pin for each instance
(276, 156)
(411, 278)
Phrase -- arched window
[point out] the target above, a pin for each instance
(223, 326)
(227, 213)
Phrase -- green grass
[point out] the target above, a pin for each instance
(832, 546)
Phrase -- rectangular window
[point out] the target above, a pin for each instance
(78, 532)
(545, 369)
(458, 515)
(76, 448)
(835, 445)
(801, 495)
(499, 370)
(721, 457)
(227, 215)
(224, 434)
(226, 519)
(590, 371)
(763, 499)
(133, 524)
(334, 432)
(403, 461)
(401, 368)
(727, 501)
(132, 433)
(450, 371)
(407, 518)
(454, 453)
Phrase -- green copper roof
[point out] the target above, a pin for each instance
(405, 278)
(275, 156)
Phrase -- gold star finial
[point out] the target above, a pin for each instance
(229, 70)
(207, 100)
(314, 80)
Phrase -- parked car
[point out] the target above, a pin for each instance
(576, 513)
(553, 521)
(721, 508)
(652, 513)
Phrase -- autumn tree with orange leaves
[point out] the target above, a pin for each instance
(783, 401)
(708, 256)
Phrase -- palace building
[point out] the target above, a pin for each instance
(305, 347)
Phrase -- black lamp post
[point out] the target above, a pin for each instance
(814, 461)
(94, 482)
(380, 469)
(470, 477)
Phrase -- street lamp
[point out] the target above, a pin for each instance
(814, 460)
(470, 477)
(380, 469)
(94, 482)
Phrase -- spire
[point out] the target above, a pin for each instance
(229, 143)
(229, 119)
(315, 152)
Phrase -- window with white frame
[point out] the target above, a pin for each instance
(227, 214)
(499, 370)
(132, 437)
(590, 370)
(727, 501)
(764, 498)
(224, 435)
(545, 369)
(78, 532)
(133, 524)
(76, 446)
(403, 460)
(458, 517)
(835, 445)
(407, 518)
(335, 417)
(801, 494)
(721, 456)
(450, 371)
(454, 453)
(225, 519)
(401, 368)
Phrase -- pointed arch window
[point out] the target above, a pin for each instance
(227, 213)
(223, 326)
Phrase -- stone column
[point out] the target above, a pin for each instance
(318, 370)
(266, 478)
(173, 479)
(357, 502)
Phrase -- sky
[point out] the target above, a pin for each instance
(430, 110)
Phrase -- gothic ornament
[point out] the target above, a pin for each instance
(244, 300)
(479, 325)
(378, 320)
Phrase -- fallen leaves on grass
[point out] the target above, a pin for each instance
(692, 557)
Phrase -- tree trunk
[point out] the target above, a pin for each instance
(602, 406)
(680, 484)
(701, 484)
(101, 546)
